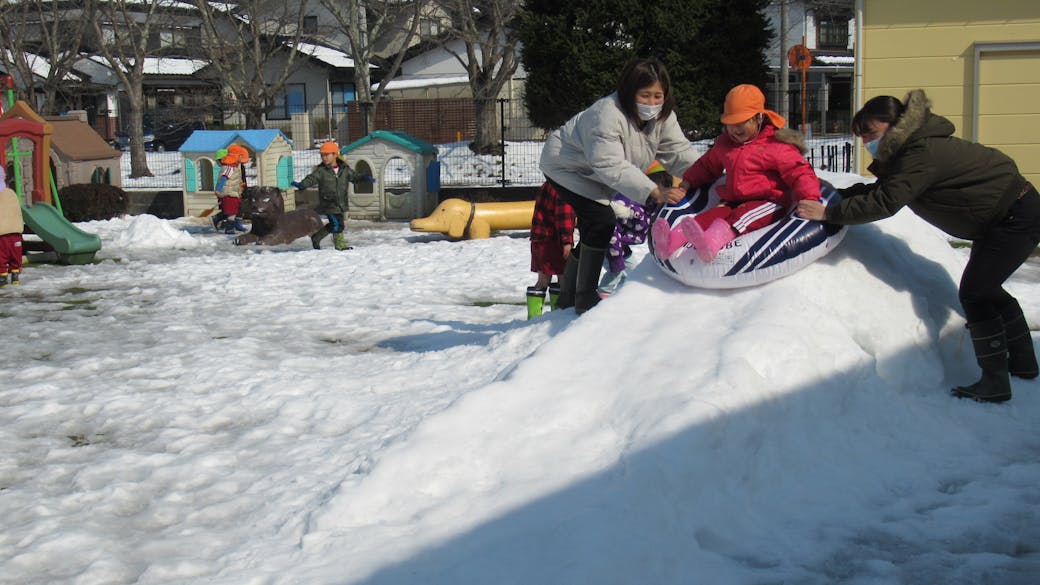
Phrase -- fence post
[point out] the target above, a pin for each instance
(502, 137)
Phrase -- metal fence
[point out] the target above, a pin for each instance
(449, 125)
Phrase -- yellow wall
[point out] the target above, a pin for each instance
(930, 44)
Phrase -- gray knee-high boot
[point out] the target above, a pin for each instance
(1021, 357)
(990, 344)
(586, 293)
(568, 280)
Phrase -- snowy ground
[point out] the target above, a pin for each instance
(187, 411)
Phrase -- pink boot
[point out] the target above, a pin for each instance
(707, 242)
(666, 239)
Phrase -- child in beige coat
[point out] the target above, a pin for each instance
(11, 227)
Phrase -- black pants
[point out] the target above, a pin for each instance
(596, 221)
(996, 255)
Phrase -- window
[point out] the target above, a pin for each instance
(310, 25)
(429, 27)
(833, 34)
(342, 94)
(292, 100)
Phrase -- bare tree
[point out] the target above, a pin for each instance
(489, 38)
(367, 24)
(43, 41)
(253, 46)
(124, 29)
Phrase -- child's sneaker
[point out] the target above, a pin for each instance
(3, 279)
(14, 276)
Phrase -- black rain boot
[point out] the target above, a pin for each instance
(318, 236)
(1021, 357)
(568, 280)
(990, 345)
(586, 291)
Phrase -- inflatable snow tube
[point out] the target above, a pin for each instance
(756, 257)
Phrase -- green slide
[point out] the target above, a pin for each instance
(73, 245)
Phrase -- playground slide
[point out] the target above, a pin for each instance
(73, 245)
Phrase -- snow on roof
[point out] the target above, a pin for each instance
(172, 66)
(835, 60)
(40, 66)
(413, 81)
(328, 55)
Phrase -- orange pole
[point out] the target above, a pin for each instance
(805, 123)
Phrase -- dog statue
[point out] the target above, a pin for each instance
(464, 220)
(272, 225)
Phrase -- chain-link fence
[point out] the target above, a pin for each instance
(449, 125)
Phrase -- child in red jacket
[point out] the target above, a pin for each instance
(765, 170)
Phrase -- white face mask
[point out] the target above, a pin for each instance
(647, 112)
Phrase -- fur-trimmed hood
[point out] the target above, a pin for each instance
(917, 121)
(792, 137)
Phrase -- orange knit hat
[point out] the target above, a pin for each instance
(329, 147)
(743, 102)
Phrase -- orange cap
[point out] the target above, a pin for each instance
(238, 153)
(655, 167)
(329, 147)
(743, 102)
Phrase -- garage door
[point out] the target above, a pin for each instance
(1008, 106)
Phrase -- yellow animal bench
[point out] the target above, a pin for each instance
(464, 220)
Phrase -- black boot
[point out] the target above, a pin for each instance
(1021, 357)
(568, 280)
(990, 344)
(586, 291)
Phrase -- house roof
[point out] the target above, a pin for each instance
(214, 140)
(397, 137)
(172, 66)
(74, 139)
(326, 55)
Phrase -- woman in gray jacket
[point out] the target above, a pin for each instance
(602, 151)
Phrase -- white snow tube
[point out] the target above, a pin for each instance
(753, 258)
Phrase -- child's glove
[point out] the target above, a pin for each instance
(624, 208)
(365, 179)
(297, 185)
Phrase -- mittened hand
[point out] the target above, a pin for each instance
(621, 211)
(367, 179)
(297, 185)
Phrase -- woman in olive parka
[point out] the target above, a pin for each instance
(968, 190)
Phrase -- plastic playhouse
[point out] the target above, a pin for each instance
(398, 195)
(20, 126)
(271, 165)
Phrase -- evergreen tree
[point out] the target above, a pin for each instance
(573, 53)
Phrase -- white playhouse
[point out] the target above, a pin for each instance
(407, 176)
(270, 164)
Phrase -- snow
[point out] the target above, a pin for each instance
(188, 411)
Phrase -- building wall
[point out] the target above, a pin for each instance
(931, 45)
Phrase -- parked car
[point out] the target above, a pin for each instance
(122, 140)
(167, 137)
(171, 136)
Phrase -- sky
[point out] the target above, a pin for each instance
(185, 411)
